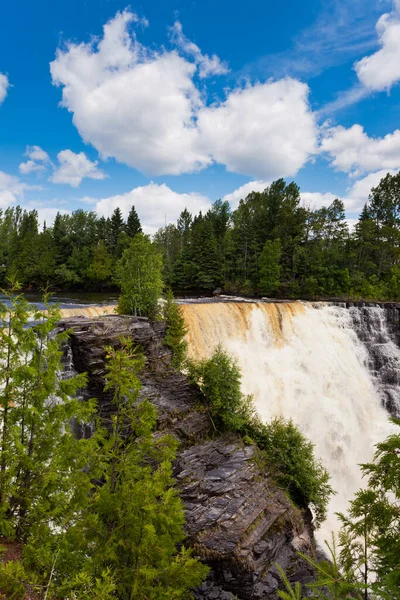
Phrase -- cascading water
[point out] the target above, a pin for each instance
(307, 363)
(90, 310)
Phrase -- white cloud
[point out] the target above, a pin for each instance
(37, 153)
(315, 200)
(381, 70)
(355, 197)
(243, 191)
(360, 190)
(11, 189)
(208, 65)
(353, 151)
(48, 214)
(38, 160)
(155, 205)
(266, 130)
(131, 103)
(143, 108)
(30, 166)
(4, 85)
(73, 167)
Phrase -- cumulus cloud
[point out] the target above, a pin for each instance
(155, 204)
(360, 190)
(266, 130)
(243, 191)
(38, 160)
(353, 151)
(208, 65)
(356, 195)
(381, 70)
(11, 190)
(73, 167)
(143, 108)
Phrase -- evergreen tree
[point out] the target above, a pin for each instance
(117, 226)
(133, 225)
(270, 269)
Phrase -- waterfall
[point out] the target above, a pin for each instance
(306, 362)
(90, 310)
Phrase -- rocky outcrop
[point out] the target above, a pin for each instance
(238, 521)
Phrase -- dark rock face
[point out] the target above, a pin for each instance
(378, 328)
(238, 522)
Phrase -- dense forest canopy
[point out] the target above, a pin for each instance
(271, 245)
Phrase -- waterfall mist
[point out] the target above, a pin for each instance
(307, 363)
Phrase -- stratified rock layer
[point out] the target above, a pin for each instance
(238, 522)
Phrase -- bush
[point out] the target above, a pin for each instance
(291, 458)
(219, 379)
(288, 454)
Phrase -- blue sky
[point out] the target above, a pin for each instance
(177, 103)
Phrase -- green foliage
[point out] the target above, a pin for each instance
(290, 457)
(99, 517)
(219, 379)
(287, 453)
(176, 330)
(332, 581)
(139, 275)
(370, 535)
(133, 522)
(36, 407)
(269, 244)
(270, 269)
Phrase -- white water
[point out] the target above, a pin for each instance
(308, 364)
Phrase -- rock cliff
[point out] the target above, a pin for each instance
(237, 520)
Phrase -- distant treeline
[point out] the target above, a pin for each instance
(270, 245)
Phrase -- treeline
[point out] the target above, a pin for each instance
(271, 245)
(80, 250)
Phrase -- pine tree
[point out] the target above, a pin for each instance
(116, 227)
(133, 225)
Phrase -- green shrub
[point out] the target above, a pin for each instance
(288, 454)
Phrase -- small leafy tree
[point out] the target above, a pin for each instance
(139, 275)
(176, 330)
